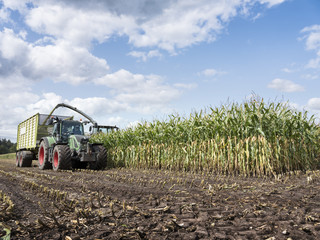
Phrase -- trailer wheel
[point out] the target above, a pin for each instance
(26, 159)
(43, 156)
(18, 159)
(101, 162)
(61, 158)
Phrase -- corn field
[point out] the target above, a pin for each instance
(252, 138)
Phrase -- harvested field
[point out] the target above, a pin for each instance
(150, 204)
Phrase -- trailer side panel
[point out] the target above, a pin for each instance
(27, 133)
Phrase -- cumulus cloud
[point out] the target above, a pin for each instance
(66, 62)
(167, 24)
(211, 72)
(20, 5)
(314, 104)
(287, 70)
(4, 15)
(60, 61)
(15, 94)
(186, 86)
(310, 76)
(68, 23)
(285, 85)
(271, 3)
(144, 56)
(97, 105)
(312, 39)
(149, 91)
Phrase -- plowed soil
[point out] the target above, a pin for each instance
(151, 204)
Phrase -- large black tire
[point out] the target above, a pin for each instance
(101, 162)
(61, 158)
(18, 159)
(43, 156)
(25, 159)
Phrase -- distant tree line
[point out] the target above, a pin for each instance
(6, 146)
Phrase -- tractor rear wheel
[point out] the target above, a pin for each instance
(43, 156)
(25, 159)
(61, 158)
(101, 162)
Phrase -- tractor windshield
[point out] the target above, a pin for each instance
(71, 128)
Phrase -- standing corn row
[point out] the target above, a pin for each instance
(251, 156)
(254, 138)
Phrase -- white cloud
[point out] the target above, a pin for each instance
(285, 85)
(257, 16)
(310, 76)
(66, 62)
(45, 103)
(19, 5)
(68, 23)
(314, 104)
(147, 93)
(12, 47)
(167, 24)
(15, 94)
(287, 70)
(271, 3)
(184, 23)
(98, 105)
(312, 38)
(314, 63)
(4, 15)
(210, 72)
(186, 86)
(144, 56)
(60, 61)
(123, 80)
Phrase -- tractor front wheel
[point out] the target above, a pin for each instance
(61, 158)
(43, 156)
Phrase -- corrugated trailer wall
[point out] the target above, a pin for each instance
(27, 133)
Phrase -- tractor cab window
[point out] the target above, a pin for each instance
(106, 129)
(72, 128)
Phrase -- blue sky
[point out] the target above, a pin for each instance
(124, 61)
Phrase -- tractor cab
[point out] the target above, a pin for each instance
(65, 128)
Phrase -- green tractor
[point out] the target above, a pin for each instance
(58, 142)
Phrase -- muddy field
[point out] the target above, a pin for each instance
(149, 204)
